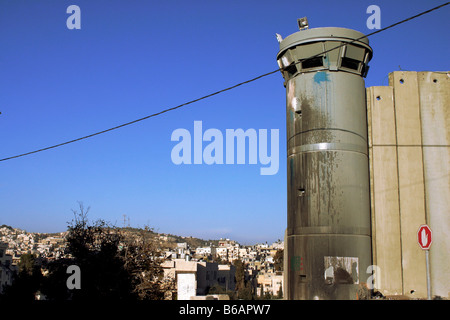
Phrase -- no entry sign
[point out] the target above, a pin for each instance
(424, 237)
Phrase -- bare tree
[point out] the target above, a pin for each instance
(115, 264)
(84, 238)
(143, 260)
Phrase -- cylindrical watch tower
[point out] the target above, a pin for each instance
(328, 240)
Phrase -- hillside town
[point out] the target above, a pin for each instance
(199, 269)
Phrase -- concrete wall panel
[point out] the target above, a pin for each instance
(412, 216)
(435, 116)
(409, 140)
(387, 221)
(407, 115)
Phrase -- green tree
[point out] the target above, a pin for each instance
(244, 287)
(114, 265)
(267, 296)
(280, 293)
(53, 285)
(219, 260)
(27, 281)
(278, 260)
(239, 274)
(142, 260)
(27, 264)
(95, 250)
(218, 289)
(246, 293)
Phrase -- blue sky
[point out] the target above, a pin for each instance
(133, 58)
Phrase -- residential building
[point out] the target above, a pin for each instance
(270, 282)
(194, 278)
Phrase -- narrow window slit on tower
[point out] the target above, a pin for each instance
(350, 63)
(291, 70)
(312, 63)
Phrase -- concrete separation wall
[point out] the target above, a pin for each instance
(409, 151)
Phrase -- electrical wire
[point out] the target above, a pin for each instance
(223, 90)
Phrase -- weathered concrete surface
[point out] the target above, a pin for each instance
(435, 120)
(409, 139)
(328, 241)
(384, 187)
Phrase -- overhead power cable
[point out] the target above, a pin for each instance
(223, 90)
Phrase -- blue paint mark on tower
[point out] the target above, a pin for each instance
(321, 77)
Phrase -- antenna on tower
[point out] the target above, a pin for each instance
(124, 220)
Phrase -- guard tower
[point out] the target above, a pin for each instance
(328, 237)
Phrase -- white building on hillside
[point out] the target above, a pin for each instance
(194, 278)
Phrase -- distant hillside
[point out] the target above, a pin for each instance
(171, 240)
(166, 240)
